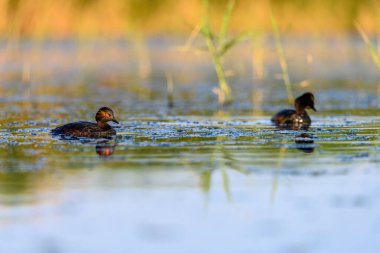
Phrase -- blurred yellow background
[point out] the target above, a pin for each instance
(95, 18)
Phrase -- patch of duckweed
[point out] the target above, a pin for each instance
(350, 158)
(242, 141)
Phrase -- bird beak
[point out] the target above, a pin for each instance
(114, 120)
(313, 108)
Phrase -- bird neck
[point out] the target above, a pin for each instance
(103, 125)
(300, 109)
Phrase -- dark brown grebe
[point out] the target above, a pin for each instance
(298, 118)
(100, 129)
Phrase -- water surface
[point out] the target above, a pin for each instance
(195, 177)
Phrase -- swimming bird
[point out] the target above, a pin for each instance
(100, 129)
(298, 118)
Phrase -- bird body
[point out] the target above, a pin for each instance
(289, 116)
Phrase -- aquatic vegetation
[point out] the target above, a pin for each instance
(218, 46)
(282, 59)
(372, 48)
(170, 90)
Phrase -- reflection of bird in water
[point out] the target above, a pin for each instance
(296, 119)
(105, 149)
(305, 143)
(100, 129)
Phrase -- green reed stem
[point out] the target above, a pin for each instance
(226, 21)
(170, 90)
(372, 50)
(225, 94)
(370, 44)
(282, 59)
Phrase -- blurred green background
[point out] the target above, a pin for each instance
(93, 18)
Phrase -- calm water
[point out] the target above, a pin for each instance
(196, 177)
